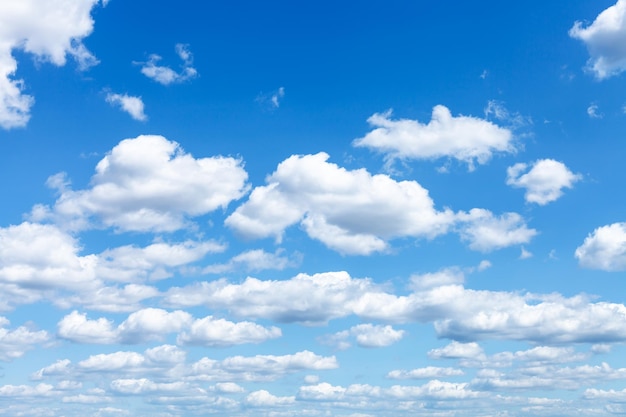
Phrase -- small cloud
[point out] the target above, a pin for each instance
(525, 254)
(271, 100)
(130, 104)
(544, 180)
(592, 111)
(483, 265)
(484, 74)
(165, 75)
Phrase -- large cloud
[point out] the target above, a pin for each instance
(352, 212)
(465, 138)
(155, 324)
(457, 312)
(14, 343)
(605, 40)
(149, 184)
(604, 249)
(41, 260)
(544, 182)
(48, 29)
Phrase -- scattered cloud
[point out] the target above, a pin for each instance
(50, 31)
(14, 343)
(486, 232)
(468, 139)
(604, 40)
(271, 101)
(593, 111)
(544, 181)
(604, 248)
(149, 184)
(155, 324)
(166, 75)
(256, 260)
(457, 313)
(428, 372)
(130, 104)
(352, 212)
(365, 335)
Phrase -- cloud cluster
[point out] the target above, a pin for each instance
(366, 335)
(48, 29)
(458, 313)
(155, 324)
(468, 139)
(357, 213)
(604, 39)
(148, 184)
(544, 181)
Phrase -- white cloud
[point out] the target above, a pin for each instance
(263, 398)
(604, 249)
(229, 387)
(604, 39)
(130, 104)
(544, 182)
(14, 343)
(352, 212)
(456, 312)
(154, 324)
(468, 139)
(486, 232)
(43, 257)
(271, 101)
(166, 75)
(77, 328)
(456, 350)
(210, 331)
(150, 184)
(110, 298)
(606, 395)
(425, 373)
(592, 111)
(47, 29)
(256, 260)
(366, 335)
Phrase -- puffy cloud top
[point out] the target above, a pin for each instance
(465, 138)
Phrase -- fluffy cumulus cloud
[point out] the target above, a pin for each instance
(263, 398)
(211, 331)
(604, 39)
(48, 29)
(486, 232)
(130, 104)
(41, 260)
(14, 343)
(458, 313)
(604, 249)
(37, 256)
(148, 184)
(155, 324)
(165, 75)
(352, 212)
(544, 181)
(468, 139)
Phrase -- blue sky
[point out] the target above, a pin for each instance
(316, 209)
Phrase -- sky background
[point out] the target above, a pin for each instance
(312, 209)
